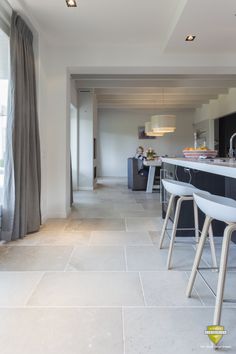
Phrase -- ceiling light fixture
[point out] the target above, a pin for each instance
(163, 123)
(150, 132)
(71, 3)
(190, 38)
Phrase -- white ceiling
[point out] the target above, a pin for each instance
(160, 23)
(212, 21)
(172, 92)
(104, 21)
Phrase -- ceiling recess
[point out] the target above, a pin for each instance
(190, 38)
(71, 3)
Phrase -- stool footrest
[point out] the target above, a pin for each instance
(231, 301)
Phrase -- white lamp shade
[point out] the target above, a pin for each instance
(150, 132)
(163, 123)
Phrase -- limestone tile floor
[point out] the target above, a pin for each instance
(96, 283)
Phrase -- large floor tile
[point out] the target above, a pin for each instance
(94, 212)
(124, 207)
(88, 289)
(148, 258)
(167, 288)
(68, 298)
(151, 205)
(110, 258)
(155, 237)
(231, 257)
(139, 214)
(212, 279)
(96, 224)
(55, 238)
(143, 224)
(16, 287)
(34, 258)
(61, 331)
(54, 224)
(120, 238)
(174, 330)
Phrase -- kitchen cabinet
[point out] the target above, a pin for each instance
(214, 183)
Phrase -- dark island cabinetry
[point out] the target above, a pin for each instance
(213, 183)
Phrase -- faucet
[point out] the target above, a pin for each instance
(231, 150)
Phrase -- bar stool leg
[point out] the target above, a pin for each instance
(176, 219)
(172, 197)
(196, 223)
(212, 246)
(198, 255)
(222, 273)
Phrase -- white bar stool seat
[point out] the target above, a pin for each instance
(178, 188)
(185, 192)
(222, 209)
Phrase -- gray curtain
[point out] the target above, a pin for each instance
(21, 206)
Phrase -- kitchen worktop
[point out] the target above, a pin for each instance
(222, 167)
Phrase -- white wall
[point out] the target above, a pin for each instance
(74, 145)
(87, 131)
(85, 140)
(118, 138)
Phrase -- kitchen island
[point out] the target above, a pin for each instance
(223, 167)
(217, 176)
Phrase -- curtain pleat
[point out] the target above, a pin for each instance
(22, 179)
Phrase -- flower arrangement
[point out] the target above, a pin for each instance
(150, 153)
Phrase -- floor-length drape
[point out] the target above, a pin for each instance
(21, 206)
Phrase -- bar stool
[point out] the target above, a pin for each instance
(185, 192)
(222, 209)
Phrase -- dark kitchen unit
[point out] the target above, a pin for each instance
(211, 182)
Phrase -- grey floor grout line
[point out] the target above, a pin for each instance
(70, 258)
(194, 289)
(33, 289)
(90, 238)
(97, 271)
(141, 283)
(126, 262)
(123, 328)
(199, 307)
(126, 227)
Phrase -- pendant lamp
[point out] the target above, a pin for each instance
(150, 132)
(163, 123)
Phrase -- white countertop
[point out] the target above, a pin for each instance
(217, 167)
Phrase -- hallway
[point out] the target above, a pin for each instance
(97, 283)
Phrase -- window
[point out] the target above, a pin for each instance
(4, 72)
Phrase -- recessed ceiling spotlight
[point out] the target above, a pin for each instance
(190, 38)
(71, 3)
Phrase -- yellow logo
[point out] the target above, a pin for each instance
(215, 333)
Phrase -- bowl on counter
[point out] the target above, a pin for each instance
(196, 154)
